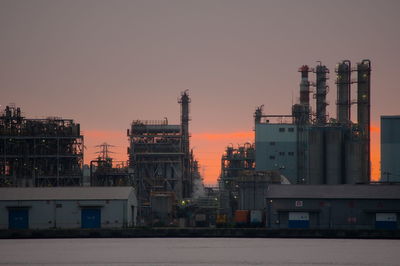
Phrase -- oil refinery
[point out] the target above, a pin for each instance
(303, 170)
(309, 148)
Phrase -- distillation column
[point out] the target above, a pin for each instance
(343, 82)
(186, 182)
(301, 114)
(364, 116)
(321, 72)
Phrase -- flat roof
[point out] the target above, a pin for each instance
(390, 116)
(65, 193)
(377, 191)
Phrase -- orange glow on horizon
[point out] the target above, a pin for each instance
(375, 129)
(375, 153)
(208, 148)
(223, 136)
(116, 138)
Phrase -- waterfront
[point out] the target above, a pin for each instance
(198, 251)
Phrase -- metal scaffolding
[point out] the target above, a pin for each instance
(160, 157)
(233, 163)
(104, 171)
(39, 152)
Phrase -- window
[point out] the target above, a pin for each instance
(291, 129)
(281, 153)
(291, 153)
(272, 157)
(272, 143)
(281, 129)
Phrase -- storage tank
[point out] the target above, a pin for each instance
(162, 206)
(316, 156)
(334, 155)
(353, 162)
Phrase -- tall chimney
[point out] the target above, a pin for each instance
(187, 181)
(184, 101)
(304, 86)
(301, 112)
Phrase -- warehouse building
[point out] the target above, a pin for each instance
(333, 206)
(67, 207)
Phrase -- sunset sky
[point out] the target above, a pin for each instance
(106, 63)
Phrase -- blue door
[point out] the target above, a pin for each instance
(91, 218)
(18, 219)
(299, 220)
(386, 221)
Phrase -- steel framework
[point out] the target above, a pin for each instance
(39, 152)
(160, 157)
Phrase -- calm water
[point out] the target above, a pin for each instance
(199, 251)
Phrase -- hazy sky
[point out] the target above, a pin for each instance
(105, 63)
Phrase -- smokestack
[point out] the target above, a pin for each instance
(364, 114)
(184, 101)
(187, 181)
(343, 82)
(321, 72)
(304, 86)
(301, 112)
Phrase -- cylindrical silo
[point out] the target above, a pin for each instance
(334, 155)
(316, 156)
(353, 161)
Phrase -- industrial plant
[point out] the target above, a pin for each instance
(49, 153)
(304, 169)
(315, 154)
(39, 152)
(306, 146)
(163, 164)
(105, 171)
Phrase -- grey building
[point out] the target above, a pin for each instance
(67, 207)
(390, 148)
(333, 206)
(276, 149)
